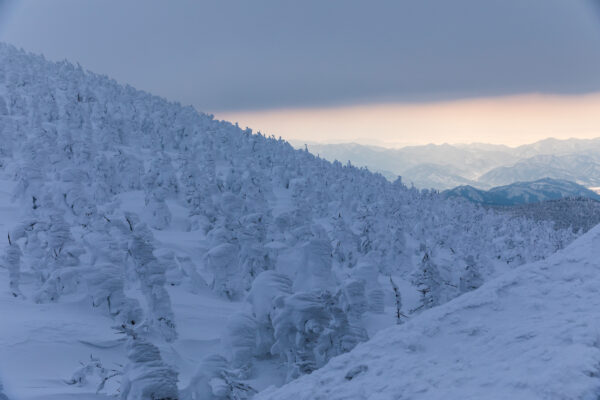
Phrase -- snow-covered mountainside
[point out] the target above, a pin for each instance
(530, 334)
(482, 166)
(523, 192)
(568, 213)
(151, 251)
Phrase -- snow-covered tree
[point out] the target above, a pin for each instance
(106, 288)
(222, 261)
(146, 376)
(367, 273)
(471, 278)
(309, 329)
(429, 282)
(12, 261)
(215, 381)
(267, 291)
(151, 275)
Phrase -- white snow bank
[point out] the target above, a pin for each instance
(531, 334)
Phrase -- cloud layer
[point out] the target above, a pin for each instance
(240, 55)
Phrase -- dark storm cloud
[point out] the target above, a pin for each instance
(226, 55)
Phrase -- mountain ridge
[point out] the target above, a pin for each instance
(523, 192)
(481, 165)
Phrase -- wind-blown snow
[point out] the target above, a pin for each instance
(533, 333)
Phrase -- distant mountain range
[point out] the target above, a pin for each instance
(523, 192)
(583, 168)
(482, 166)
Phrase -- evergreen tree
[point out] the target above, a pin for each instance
(471, 278)
(429, 283)
(151, 275)
(12, 261)
(146, 376)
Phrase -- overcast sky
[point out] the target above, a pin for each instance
(398, 71)
(246, 55)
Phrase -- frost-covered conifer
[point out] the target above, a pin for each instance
(471, 278)
(160, 183)
(146, 376)
(158, 212)
(267, 290)
(316, 273)
(106, 288)
(354, 298)
(253, 256)
(429, 282)
(12, 261)
(367, 273)
(241, 339)
(309, 329)
(151, 275)
(161, 178)
(58, 269)
(345, 243)
(75, 194)
(130, 171)
(397, 301)
(222, 261)
(3, 107)
(215, 381)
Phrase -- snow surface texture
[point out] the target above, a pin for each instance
(151, 251)
(533, 333)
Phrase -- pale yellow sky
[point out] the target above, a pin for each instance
(512, 120)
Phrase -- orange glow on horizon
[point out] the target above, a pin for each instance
(510, 120)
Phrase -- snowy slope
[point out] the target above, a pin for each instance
(42, 345)
(206, 246)
(533, 333)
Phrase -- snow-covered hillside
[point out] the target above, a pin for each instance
(151, 251)
(571, 213)
(533, 333)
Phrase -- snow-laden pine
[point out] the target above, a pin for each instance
(312, 252)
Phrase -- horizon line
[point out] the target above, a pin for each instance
(501, 120)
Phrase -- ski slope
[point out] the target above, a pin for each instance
(533, 333)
